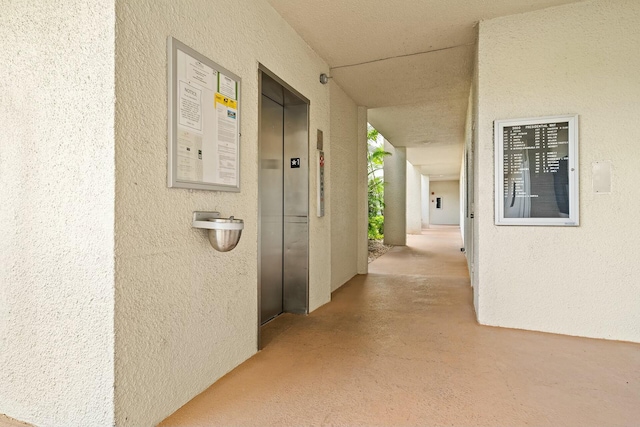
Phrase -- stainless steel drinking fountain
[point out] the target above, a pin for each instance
(224, 233)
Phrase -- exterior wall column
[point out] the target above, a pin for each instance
(414, 200)
(426, 194)
(395, 195)
(362, 194)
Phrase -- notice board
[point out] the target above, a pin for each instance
(536, 171)
(204, 122)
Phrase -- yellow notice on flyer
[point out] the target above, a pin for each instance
(227, 139)
(228, 102)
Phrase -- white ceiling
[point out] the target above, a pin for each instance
(409, 61)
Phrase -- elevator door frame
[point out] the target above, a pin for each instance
(264, 70)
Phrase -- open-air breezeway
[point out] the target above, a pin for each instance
(401, 347)
(115, 309)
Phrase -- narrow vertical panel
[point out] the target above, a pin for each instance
(296, 270)
(271, 205)
(296, 158)
(601, 177)
(296, 205)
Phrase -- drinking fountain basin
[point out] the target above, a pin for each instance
(224, 233)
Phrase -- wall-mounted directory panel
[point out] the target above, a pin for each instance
(204, 122)
(536, 166)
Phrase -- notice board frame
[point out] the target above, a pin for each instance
(174, 178)
(572, 218)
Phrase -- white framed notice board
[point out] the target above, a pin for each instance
(204, 122)
(536, 171)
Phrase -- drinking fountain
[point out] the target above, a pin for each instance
(224, 233)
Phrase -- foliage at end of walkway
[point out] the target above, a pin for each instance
(375, 191)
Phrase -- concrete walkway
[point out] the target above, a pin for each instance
(401, 347)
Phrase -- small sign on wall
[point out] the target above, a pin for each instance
(601, 173)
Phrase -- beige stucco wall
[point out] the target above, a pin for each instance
(414, 200)
(344, 187)
(449, 191)
(581, 58)
(56, 212)
(185, 314)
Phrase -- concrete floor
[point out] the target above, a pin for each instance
(10, 422)
(401, 347)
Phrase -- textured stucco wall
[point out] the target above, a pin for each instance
(56, 212)
(344, 187)
(186, 314)
(450, 212)
(395, 195)
(425, 192)
(581, 58)
(414, 200)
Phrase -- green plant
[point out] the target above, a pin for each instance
(375, 190)
(376, 227)
(376, 196)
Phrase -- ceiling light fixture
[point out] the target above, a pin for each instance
(324, 79)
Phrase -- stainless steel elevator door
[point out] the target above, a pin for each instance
(284, 200)
(296, 204)
(271, 209)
